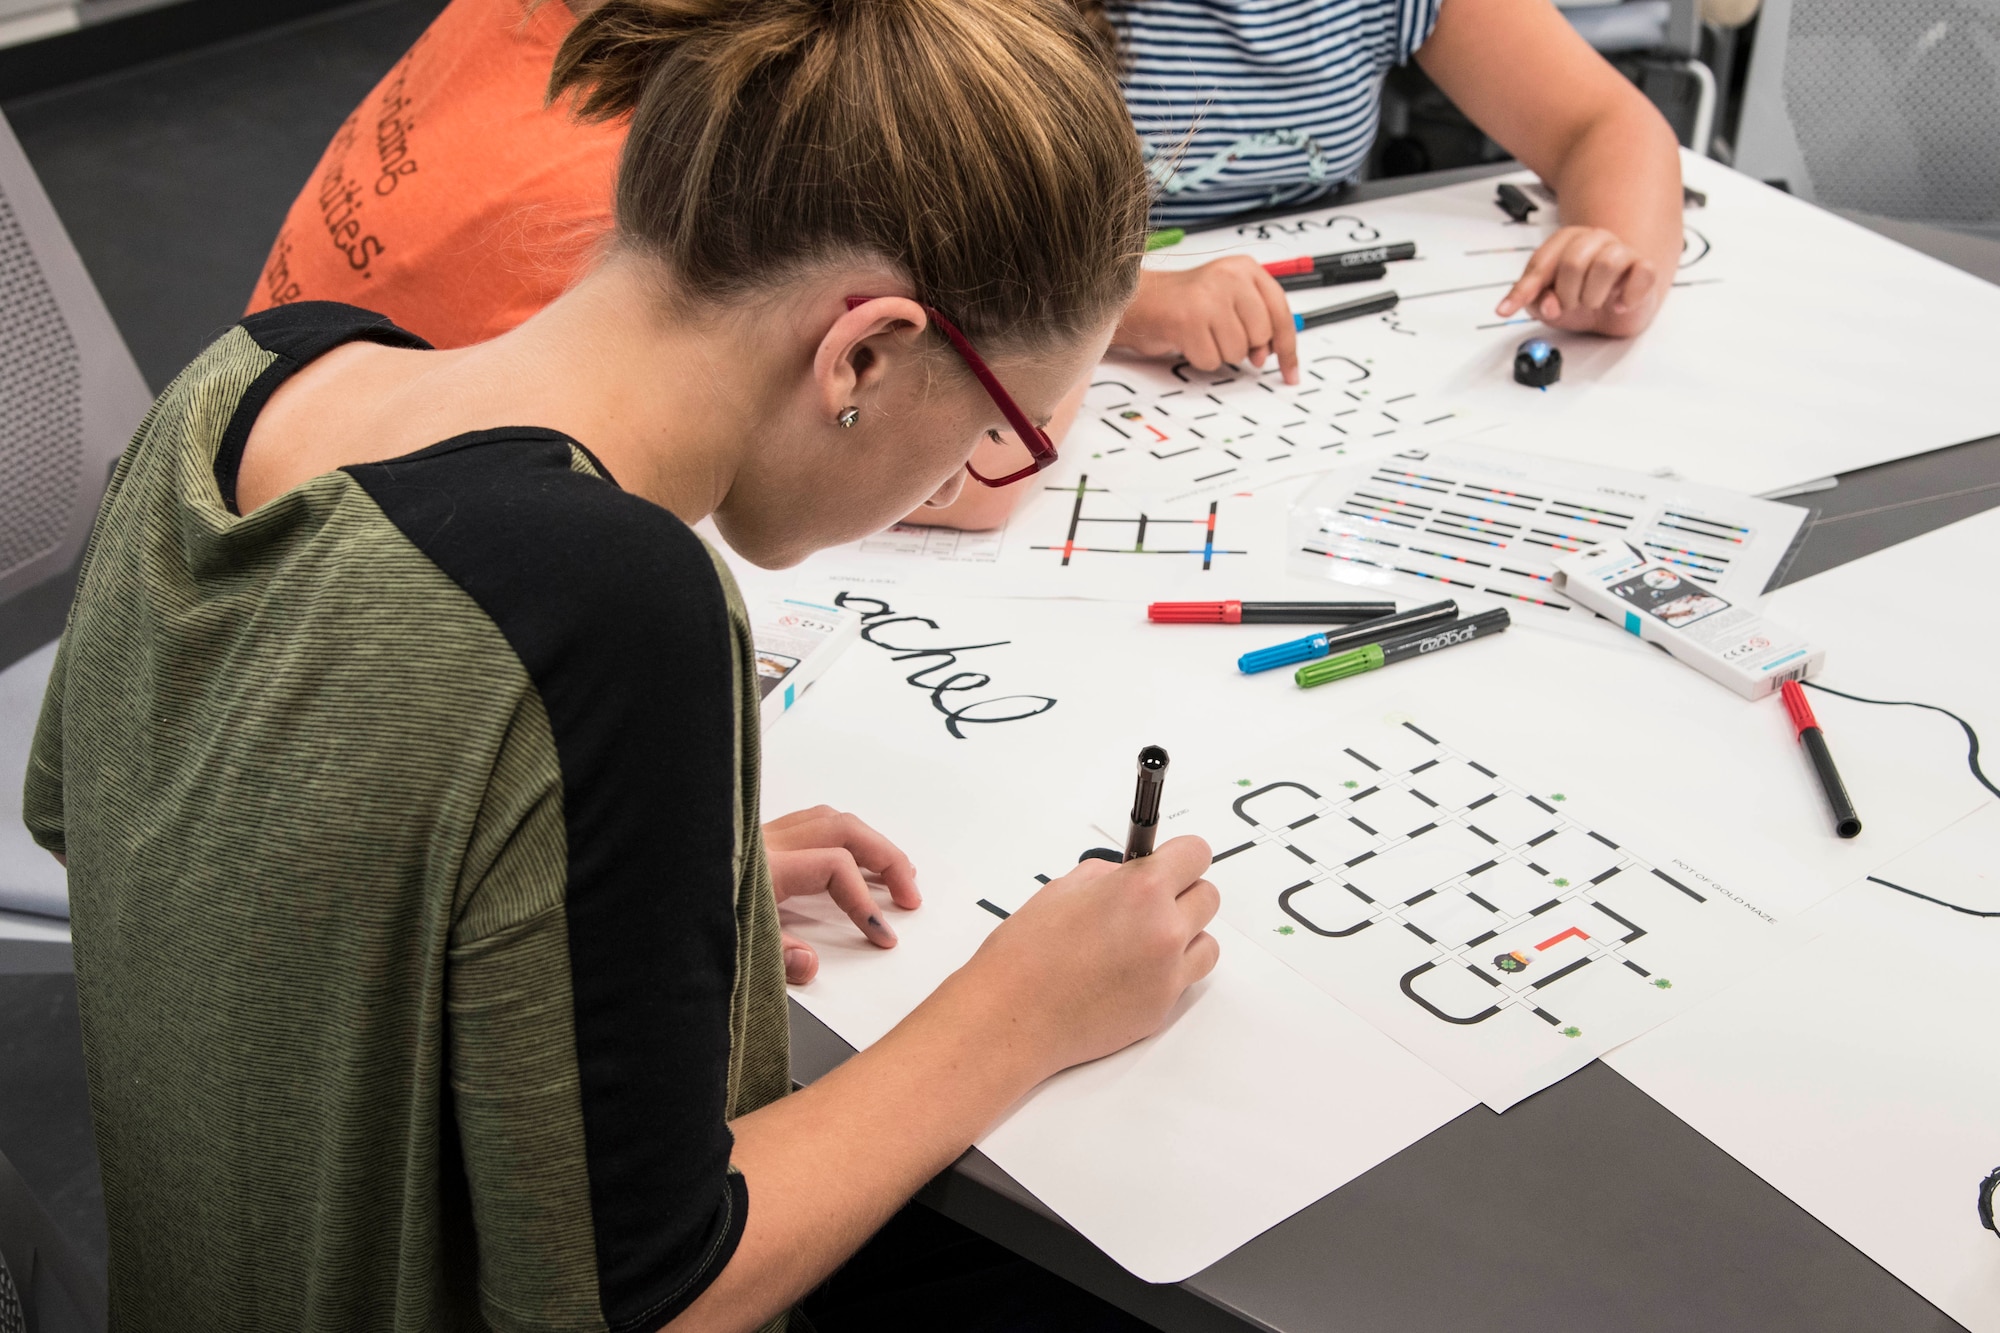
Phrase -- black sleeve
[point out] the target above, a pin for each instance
(615, 611)
(297, 335)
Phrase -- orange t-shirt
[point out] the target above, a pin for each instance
(453, 200)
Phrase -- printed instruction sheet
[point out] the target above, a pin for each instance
(1475, 518)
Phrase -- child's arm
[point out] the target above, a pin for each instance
(1227, 312)
(1524, 76)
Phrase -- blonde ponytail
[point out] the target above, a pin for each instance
(981, 145)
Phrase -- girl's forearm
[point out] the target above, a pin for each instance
(828, 1165)
(1623, 173)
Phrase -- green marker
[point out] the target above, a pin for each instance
(1166, 236)
(1412, 644)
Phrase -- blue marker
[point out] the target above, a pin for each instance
(1333, 314)
(1316, 646)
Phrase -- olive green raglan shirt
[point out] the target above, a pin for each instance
(423, 931)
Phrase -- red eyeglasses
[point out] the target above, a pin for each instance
(1041, 450)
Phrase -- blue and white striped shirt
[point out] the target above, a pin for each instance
(1244, 104)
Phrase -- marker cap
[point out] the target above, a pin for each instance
(1195, 613)
(1284, 654)
(1797, 705)
(1339, 667)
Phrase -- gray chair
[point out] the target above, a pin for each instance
(70, 397)
(1666, 36)
(44, 1286)
(1891, 110)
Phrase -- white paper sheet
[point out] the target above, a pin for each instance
(1796, 344)
(1473, 517)
(1261, 1096)
(1496, 929)
(1858, 1074)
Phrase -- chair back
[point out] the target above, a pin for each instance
(70, 393)
(70, 398)
(1889, 109)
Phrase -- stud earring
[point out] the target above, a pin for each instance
(848, 416)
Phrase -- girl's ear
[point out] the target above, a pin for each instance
(865, 346)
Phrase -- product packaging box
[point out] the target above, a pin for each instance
(1654, 600)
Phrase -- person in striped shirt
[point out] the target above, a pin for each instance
(1245, 105)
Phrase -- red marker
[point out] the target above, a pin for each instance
(1846, 822)
(1267, 613)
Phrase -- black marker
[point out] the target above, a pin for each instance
(1393, 253)
(1379, 630)
(1514, 202)
(1367, 257)
(1413, 644)
(1367, 305)
(1146, 802)
(1333, 277)
(1267, 613)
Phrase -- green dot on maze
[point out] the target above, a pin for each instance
(1350, 783)
(1572, 1032)
(1286, 930)
(1663, 983)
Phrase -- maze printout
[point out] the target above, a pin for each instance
(1478, 519)
(1179, 432)
(1479, 922)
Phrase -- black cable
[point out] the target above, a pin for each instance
(1971, 736)
(1927, 898)
(1971, 758)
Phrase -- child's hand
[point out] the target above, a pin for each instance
(822, 850)
(1587, 280)
(1226, 312)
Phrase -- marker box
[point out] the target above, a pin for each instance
(1649, 598)
(796, 642)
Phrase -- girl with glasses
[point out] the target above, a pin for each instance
(403, 748)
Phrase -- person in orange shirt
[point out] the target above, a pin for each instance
(454, 200)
